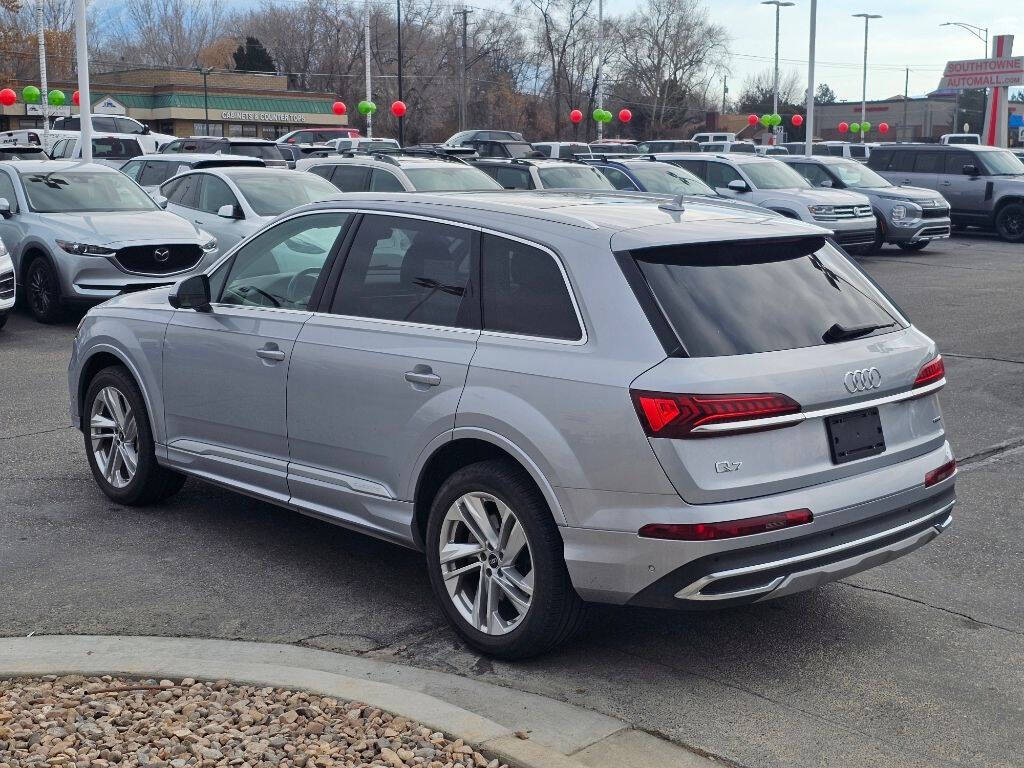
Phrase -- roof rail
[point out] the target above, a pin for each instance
(384, 157)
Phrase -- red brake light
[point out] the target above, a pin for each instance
(728, 529)
(677, 416)
(944, 472)
(930, 373)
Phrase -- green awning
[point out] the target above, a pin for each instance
(218, 101)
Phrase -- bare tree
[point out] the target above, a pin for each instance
(758, 89)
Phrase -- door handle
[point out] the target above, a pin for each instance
(947, 183)
(270, 352)
(425, 377)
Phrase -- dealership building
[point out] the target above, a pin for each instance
(175, 101)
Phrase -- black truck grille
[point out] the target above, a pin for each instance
(934, 213)
(159, 259)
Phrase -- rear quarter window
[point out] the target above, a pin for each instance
(749, 297)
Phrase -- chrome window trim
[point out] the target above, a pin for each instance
(796, 418)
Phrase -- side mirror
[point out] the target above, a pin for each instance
(229, 212)
(5, 208)
(161, 201)
(825, 183)
(970, 170)
(145, 130)
(738, 185)
(191, 293)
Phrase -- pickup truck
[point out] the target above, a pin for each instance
(107, 149)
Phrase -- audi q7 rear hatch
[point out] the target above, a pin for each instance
(788, 367)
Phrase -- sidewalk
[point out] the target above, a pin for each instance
(560, 735)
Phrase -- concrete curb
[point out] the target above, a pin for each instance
(561, 735)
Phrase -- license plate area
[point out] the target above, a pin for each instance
(853, 436)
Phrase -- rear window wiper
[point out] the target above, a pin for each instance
(837, 332)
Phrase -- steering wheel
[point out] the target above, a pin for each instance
(308, 275)
(242, 292)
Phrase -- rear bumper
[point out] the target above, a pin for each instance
(623, 568)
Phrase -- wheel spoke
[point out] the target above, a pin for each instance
(481, 602)
(523, 583)
(131, 429)
(128, 459)
(113, 463)
(454, 574)
(513, 542)
(512, 592)
(111, 400)
(455, 551)
(475, 517)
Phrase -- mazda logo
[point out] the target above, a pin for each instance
(862, 380)
(162, 254)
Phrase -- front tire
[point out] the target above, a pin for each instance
(3, 319)
(42, 291)
(496, 563)
(119, 442)
(1010, 222)
(920, 245)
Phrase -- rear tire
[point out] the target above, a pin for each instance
(918, 246)
(119, 442)
(3, 319)
(1010, 222)
(42, 291)
(529, 605)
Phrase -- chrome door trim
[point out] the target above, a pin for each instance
(692, 591)
(796, 418)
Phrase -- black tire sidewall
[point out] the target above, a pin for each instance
(913, 247)
(119, 378)
(1019, 208)
(512, 486)
(54, 310)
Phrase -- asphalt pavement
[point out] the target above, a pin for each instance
(917, 663)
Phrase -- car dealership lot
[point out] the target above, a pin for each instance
(914, 663)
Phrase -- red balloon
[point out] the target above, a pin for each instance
(753, 119)
(339, 108)
(798, 120)
(625, 115)
(844, 127)
(75, 98)
(575, 116)
(883, 127)
(398, 108)
(8, 97)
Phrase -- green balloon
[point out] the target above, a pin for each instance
(56, 98)
(776, 119)
(366, 107)
(766, 120)
(854, 127)
(598, 115)
(30, 94)
(865, 126)
(606, 117)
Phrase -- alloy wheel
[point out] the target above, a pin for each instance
(1013, 224)
(486, 563)
(114, 434)
(39, 289)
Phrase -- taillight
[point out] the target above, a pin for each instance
(685, 416)
(930, 373)
(944, 472)
(728, 529)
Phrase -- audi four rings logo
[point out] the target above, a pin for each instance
(163, 254)
(862, 380)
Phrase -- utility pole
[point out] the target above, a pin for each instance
(906, 98)
(809, 120)
(864, 81)
(725, 91)
(85, 104)
(401, 119)
(600, 62)
(463, 66)
(45, 93)
(205, 72)
(366, 61)
(779, 5)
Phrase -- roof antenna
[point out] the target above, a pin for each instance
(675, 204)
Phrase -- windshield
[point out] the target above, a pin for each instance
(573, 177)
(449, 179)
(1001, 163)
(520, 149)
(22, 154)
(774, 175)
(265, 151)
(275, 192)
(84, 191)
(853, 174)
(661, 177)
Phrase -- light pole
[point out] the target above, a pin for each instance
(809, 120)
(864, 82)
(979, 32)
(600, 51)
(401, 132)
(84, 97)
(205, 72)
(779, 4)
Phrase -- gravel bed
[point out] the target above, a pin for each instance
(78, 722)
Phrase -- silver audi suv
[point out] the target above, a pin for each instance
(559, 397)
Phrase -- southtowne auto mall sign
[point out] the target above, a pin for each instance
(264, 117)
(983, 73)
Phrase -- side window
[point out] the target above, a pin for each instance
(131, 169)
(58, 148)
(955, 162)
(720, 174)
(7, 191)
(409, 270)
(280, 267)
(879, 159)
(385, 181)
(103, 124)
(172, 147)
(836, 150)
(124, 125)
(214, 193)
(618, 179)
(902, 161)
(858, 150)
(814, 173)
(156, 173)
(524, 291)
(697, 167)
(344, 145)
(322, 170)
(184, 192)
(928, 162)
(350, 178)
(511, 178)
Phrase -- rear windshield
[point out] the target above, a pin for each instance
(667, 179)
(110, 148)
(449, 179)
(573, 177)
(264, 151)
(743, 298)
